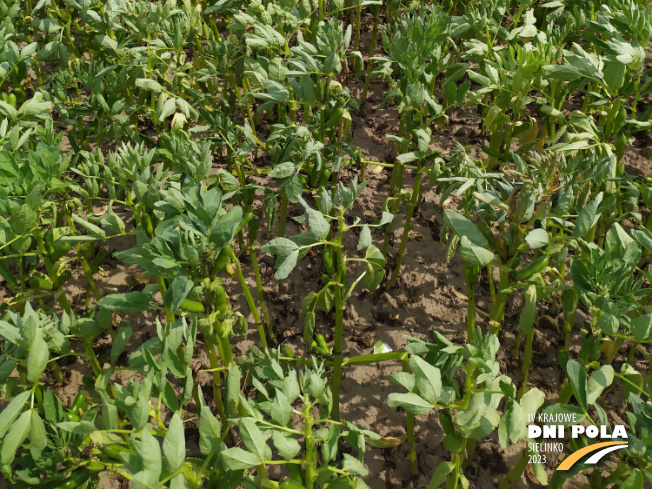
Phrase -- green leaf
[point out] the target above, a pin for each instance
(91, 228)
(149, 451)
(287, 446)
(642, 327)
(169, 107)
(634, 481)
(599, 380)
(537, 238)
(174, 444)
(37, 431)
(223, 230)
(512, 424)
(528, 314)
(210, 436)
(35, 107)
(562, 72)
(353, 466)
(10, 332)
(587, 217)
(364, 241)
(120, 341)
(318, 225)
(385, 218)
(608, 323)
(374, 256)
(412, 403)
(283, 170)
(236, 458)
(408, 157)
(577, 377)
(405, 379)
(531, 401)
(329, 447)
(15, 438)
(77, 427)
(37, 358)
(147, 84)
(11, 412)
(614, 75)
(253, 438)
(178, 291)
(107, 43)
(280, 246)
(643, 237)
(281, 409)
(567, 415)
(125, 302)
(440, 475)
(285, 264)
(463, 227)
(232, 391)
(427, 379)
(473, 254)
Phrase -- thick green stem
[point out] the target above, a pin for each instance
(527, 358)
(225, 350)
(248, 297)
(406, 229)
(498, 312)
(92, 359)
(395, 184)
(358, 15)
(457, 459)
(310, 466)
(632, 351)
(217, 379)
(88, 273)
(162, 287)
(49, 267)
(339, 325)
(372, 51)
(471, 273)
(261, 292)
(414, 467)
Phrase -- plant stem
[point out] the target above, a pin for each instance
(498, 312)
(471, 273)
(310, 457)
(406, 229)
(395, 184)
(161, 286)
(92, 359)
(248, 296)
(261, 292)
(339, 324)
(372, 51)
(457, 459)
(525, 367)
(410, 430)
(358, 15)
(217, 379)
